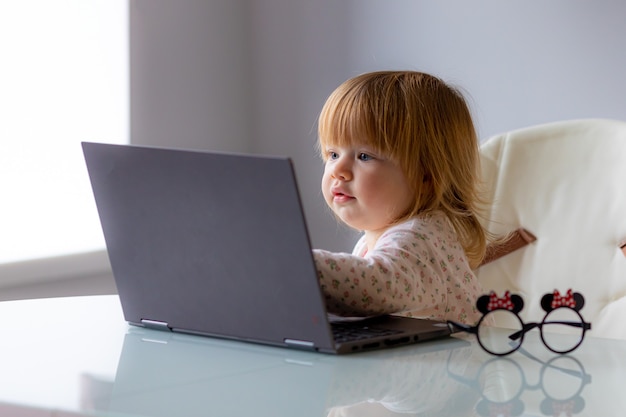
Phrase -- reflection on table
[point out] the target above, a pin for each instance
(129, 371)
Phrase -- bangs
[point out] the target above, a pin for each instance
(347, 119)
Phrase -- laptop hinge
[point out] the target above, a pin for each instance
(155, 324)
(300, 344)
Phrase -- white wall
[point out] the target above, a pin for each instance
(251, 76)
(190, 82)
(522, 62)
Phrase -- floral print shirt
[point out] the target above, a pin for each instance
(417, 269)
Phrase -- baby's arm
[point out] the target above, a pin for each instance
(390, 280)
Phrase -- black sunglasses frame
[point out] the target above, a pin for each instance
(518, 336)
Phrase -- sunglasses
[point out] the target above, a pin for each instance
(562, 312)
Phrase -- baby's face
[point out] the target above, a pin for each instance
(366, 190)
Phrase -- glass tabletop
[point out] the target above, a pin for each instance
(77, 356)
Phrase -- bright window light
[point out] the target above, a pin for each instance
(63, 80)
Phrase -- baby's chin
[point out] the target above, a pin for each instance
(357, 225)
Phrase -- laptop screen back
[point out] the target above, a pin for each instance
(208, 243)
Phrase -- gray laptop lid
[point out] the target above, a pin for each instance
(240, 267)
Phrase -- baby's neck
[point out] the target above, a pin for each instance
(371, 237)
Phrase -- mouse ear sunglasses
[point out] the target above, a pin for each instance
(562, 312)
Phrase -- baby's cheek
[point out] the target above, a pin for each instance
(326, 192)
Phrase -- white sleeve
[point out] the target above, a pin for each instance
(393, 278)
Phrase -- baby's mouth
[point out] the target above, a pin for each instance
(341, 197)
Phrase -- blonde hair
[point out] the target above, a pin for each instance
(425, 126)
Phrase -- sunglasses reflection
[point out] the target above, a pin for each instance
(503, 383)
(465, 382)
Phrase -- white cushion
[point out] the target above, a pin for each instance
(566, 183)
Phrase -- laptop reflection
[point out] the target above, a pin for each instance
(167, 374)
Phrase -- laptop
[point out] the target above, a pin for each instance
(216, 244)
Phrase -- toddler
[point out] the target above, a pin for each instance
(401, 165)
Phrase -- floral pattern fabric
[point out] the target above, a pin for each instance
(417, 269)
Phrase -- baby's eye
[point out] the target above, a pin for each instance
(364, 157)
(332, 155)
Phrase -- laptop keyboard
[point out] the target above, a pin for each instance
(350, 332)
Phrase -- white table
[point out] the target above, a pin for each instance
(77, 356)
